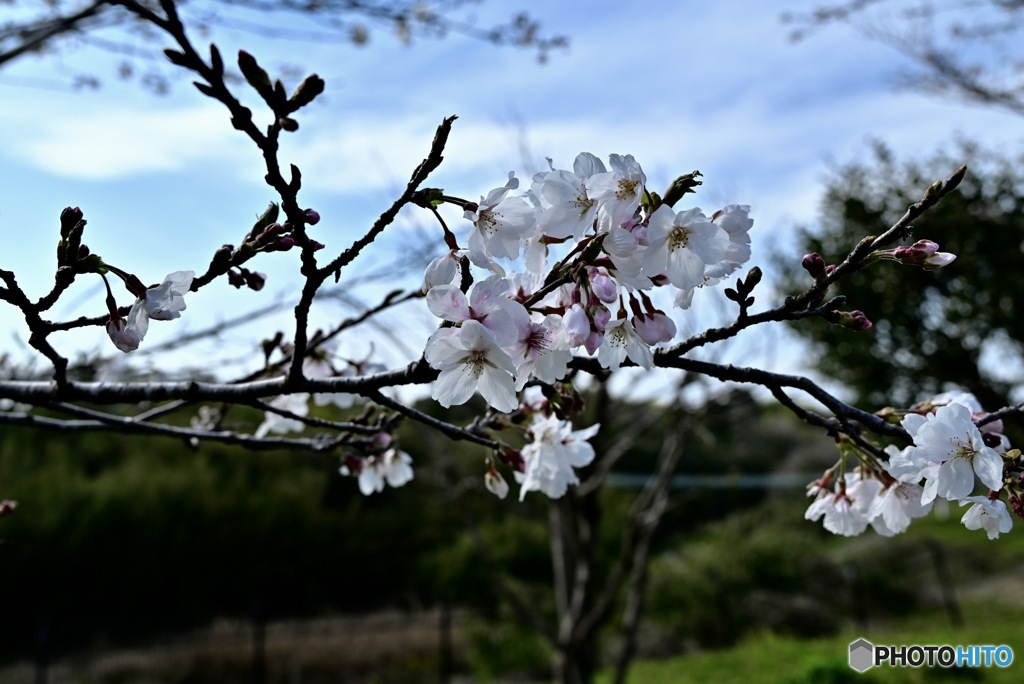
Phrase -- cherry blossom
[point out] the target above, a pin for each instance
(471, 361)
(567, 208)
(543, 353)
(988, 514)
(948, 451)
(127, 333)
(494, 482)
(896, 504)
(845, 510)
(735, 220)
(550, 458)
(681, 246)
(393, 467)
(488, 303)
(443, 270)
(166, 301)
(654, 328)
(618, 192)
(621, 340)
(501, 222)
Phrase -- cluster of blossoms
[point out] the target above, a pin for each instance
(617, 242)
(387, 464)
(548, 461)
(950, 452)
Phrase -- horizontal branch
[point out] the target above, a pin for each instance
(131, 426)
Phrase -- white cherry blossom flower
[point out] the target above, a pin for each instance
(845, 510)
(443, 270)
(567, 208)
(977, 412)
(127, 333)
(987, 514)
(488, 302)
(471, 361)
(550, 458)
(681, 246)
(621, 340)
(393, 468)
(501, 223)
(544, 353)
(948, 451)
(617, 192)
(735, 220)
(166, 301)
(897, 503)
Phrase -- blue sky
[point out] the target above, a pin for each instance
(684, 85)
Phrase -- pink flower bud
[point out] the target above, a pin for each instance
(577, 325)
(602, 285)
(601, 316)
(655, 328)
(312, 217)
(254, 281)
(814, 264)
(923, 253)
(854, 320)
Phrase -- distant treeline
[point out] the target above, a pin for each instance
(119, 537)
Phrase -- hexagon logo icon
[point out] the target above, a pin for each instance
(862, 655)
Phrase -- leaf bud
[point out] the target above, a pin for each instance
(254, 74)
(312, 86)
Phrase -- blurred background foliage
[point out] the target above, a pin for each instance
(117, 538)
(117, 542)
(933, 330)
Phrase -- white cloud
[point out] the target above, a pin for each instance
(108, 142)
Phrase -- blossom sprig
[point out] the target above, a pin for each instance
(162, 302)
(948, 456)
(550, 460)
(612, 243)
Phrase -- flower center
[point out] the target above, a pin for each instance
(583, 204)
(627, 189)
(487, 222)
(476, 361)
(618, 336)
(679, 239)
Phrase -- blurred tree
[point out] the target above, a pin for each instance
(930, 334)
(34, 28)
(969, 50)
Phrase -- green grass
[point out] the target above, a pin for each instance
(771, 658)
